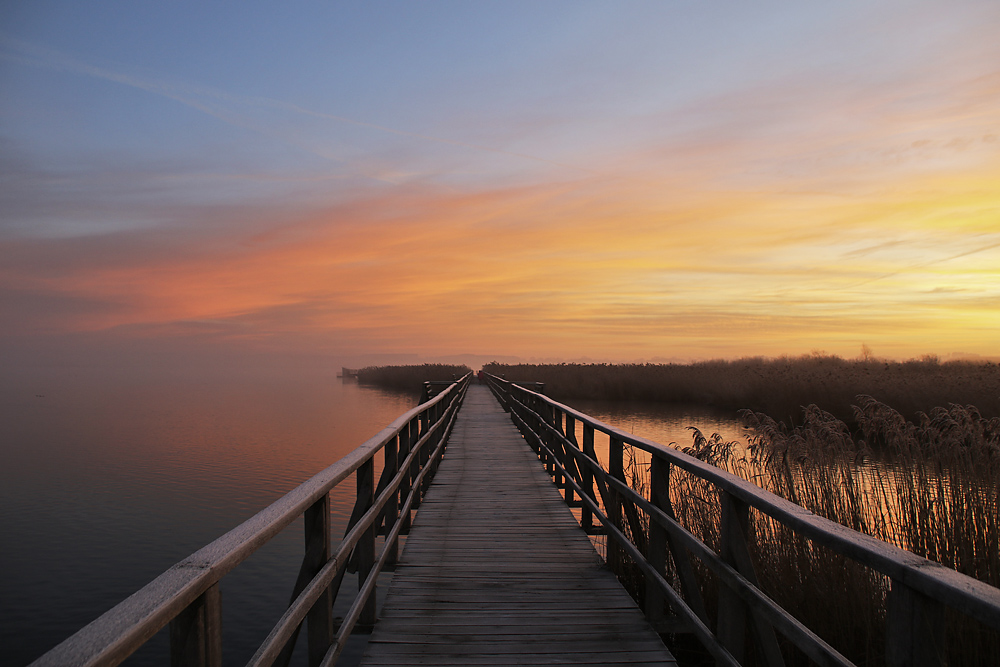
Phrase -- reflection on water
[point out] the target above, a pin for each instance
(105, 485)
(664, 423)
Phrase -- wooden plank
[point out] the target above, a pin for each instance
(497, 571)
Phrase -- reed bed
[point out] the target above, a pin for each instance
(928, 486)
(777, 387)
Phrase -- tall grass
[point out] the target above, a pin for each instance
(777, 387)
(928, 486)
(409, 378)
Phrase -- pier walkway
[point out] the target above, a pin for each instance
(496, 570)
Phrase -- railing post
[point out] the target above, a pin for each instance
(429, 446)
(570, 434)
(915, 629)
(320, 617)
(556, 445)
(733, 611)
(390, 468)
(405, 440)
(196, 633)
(417, 429)
(659, 496)
(586, 516)
(660, 538)
(546, 411)
(616, 468)
(365, 549)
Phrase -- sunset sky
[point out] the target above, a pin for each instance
(363, 182)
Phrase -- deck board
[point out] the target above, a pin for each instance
(496, 571)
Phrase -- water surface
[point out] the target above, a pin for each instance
(107, 483)
(668, 424)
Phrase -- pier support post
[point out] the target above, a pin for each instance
(416, 430)
(196, 633)
(659, 496)
(391, 467)
(735, 616)
(365, 550)
(733, 611)
(320, 618)
(569, 461)
(613, 503)
(915, 629)
(586, 516)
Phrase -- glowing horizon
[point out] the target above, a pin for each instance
(776, 195)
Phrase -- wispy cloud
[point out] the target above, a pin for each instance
(225, 106)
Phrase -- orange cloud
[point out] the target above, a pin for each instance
(610, 269)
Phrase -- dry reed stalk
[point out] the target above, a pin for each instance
(930, 488)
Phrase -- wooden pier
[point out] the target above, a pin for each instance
(497, 571)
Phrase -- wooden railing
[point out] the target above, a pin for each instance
(187, 598)
(645, 530)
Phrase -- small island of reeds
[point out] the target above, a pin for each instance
(409, 378)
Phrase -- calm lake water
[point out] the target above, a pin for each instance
(104, 485)
(664, 423)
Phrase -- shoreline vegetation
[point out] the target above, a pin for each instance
(409, 378)
(780, 388)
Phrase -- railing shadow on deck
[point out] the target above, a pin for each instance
(644, 531)
(187, 597)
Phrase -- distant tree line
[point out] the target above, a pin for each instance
(409, 378)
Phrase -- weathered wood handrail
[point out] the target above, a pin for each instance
(920, 588)
(187, 595)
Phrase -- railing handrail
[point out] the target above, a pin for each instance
(971, 596)
(117, 633)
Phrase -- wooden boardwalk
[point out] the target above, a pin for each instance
(496, 571)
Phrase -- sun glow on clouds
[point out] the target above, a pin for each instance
(560, 271)
(814, 207)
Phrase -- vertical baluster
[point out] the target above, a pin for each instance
(570, 464)
(316, 521)
(404, 484)
(732, 610)
(390, 468)
(539, 428)
(659, 496)
(551, 441)
(586, 516)
(320, 618)
(915, 628)
(734, 614)
(556, 445)
(613, 505)
(416, 429)
(434, 414)
(365, 550)
(196, 633)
